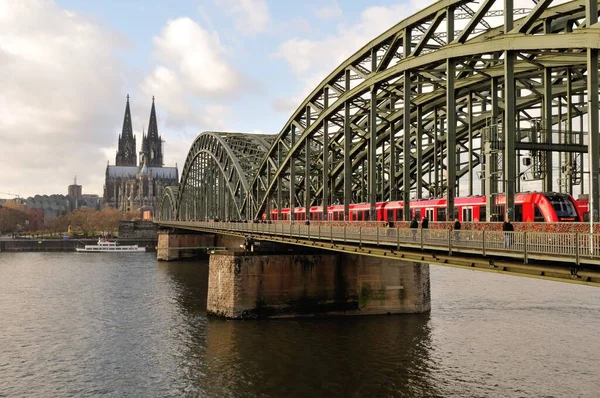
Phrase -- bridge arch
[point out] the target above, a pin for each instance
(443, 104)
(168, 204)
(215, 178)
(378, 127)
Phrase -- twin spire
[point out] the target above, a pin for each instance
(151, 153)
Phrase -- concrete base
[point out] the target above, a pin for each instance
(245, 285)
(173, 246)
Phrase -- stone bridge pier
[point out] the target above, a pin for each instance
(276, 280)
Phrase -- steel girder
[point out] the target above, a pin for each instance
(447, 94)
(216, 175)
(168, 204)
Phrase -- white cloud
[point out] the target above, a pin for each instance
(313, 60)
(251, 16)
(331, 11)
(198, 57)
(59, 78)
(192, 66)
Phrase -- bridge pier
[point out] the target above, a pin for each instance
(177, 246)
(248, 285)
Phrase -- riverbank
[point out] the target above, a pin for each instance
(55, 245)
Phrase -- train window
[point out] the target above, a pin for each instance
(441, 214)
(399, 214)
(564, 207)
(390, 215)
(518, 213)
(429, 214)
(467, 214)
(418, 214)
(537, 214)
(482, 214)
(499, 215)
(366, 215)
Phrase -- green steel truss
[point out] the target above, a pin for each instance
(216, 177)
(462, 97)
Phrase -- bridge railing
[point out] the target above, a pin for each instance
(565, 247)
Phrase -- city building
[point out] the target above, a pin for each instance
(133, 186)
(43, 208)
(75, 191)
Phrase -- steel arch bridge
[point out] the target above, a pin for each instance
(444, 103)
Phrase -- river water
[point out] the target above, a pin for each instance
(124, 325)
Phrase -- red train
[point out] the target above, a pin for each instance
(529, 207)
(583, 209)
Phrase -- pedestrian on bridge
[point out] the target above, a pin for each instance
(457, 227)
(414, 225)
(508, 230)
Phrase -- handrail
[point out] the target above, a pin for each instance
(573, 248)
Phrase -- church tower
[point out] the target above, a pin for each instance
(126, 155)
(152, 143)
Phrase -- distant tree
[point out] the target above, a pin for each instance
(13, 216)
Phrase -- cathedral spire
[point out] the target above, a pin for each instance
(152, 142)
(126, 155)
(127, 129)
(152, 125)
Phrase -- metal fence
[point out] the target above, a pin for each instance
(565, 247)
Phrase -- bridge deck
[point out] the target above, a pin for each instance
(569, 257)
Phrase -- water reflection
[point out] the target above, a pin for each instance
(354, 356)
(358, 356)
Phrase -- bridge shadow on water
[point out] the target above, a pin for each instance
(300, 357)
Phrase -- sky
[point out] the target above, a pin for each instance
(66, 67)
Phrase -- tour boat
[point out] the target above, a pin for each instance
(104, 245)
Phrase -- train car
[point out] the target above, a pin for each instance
(393, 211)
(335, 213)
(316, 213)
(433, 209)
(285, 214)
(529, 207)
(583, 209)
(542, 207)
(362, 211)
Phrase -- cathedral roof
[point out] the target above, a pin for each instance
(131, 172)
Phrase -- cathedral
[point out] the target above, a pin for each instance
(133, 186)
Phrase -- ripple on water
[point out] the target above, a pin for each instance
(126, 325)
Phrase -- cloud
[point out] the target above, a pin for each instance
(59, 78)
(313, 60)
(192, 65)
(198, 56)
(252, 16)
(331, 11)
